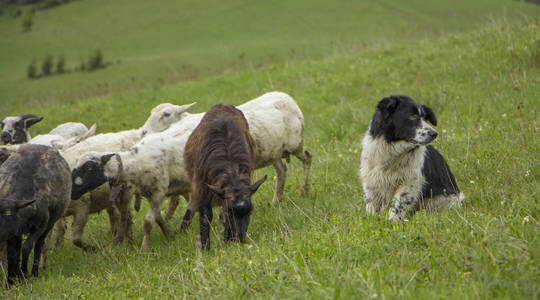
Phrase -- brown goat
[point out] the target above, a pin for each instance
(219, 158)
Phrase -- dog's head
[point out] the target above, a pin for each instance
(399, 118)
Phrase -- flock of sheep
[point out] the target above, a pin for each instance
(109, 170)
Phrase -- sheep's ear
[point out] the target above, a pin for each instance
(105, 158)
(90, 132)
(215, 190)
(9, 207)
(21, 204)
(254, 187)
(430, 115)
(2, 123)
(185, 107)
(388, 104)
(30, 119)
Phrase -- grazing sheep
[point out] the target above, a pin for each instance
(161, 117)
(35, 185)
(219, 158)
(15, 129)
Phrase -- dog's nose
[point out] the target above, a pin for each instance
(433, 134)
(6, 137)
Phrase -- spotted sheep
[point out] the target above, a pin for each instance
(219, 159)
(35, 184)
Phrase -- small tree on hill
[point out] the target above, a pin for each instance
(60, 65)
(95, 61)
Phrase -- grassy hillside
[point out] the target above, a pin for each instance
(484, 88)
(154, 44)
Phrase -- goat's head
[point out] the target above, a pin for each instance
(163, 115)
(92, 170)
(235, 192)
(15, 129)
(8, 217)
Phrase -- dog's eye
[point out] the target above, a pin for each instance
(413, 117)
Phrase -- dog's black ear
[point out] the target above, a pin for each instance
(430, 115)
(388, 104)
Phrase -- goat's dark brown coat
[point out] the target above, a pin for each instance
(219, 158)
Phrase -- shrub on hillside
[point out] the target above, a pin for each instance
(95, 61)
(27, 24)
(31, 72)
(47, 65)
(60, 63)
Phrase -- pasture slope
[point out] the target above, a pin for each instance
(176, 40)
(483, 86)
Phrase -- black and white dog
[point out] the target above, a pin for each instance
(399, 170)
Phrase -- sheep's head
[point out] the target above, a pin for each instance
(8, 217)
(92, 170)
(236, 195)
(163, 115)
(15, 129)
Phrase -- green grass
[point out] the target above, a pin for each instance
(161, 44)
(484, 88)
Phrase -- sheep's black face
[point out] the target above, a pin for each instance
(237, 206)
(88, 176)
(399, 118)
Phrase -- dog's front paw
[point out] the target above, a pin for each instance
(396, 215)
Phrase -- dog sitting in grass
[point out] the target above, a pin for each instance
(400, 171)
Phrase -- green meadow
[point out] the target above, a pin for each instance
(477, 64)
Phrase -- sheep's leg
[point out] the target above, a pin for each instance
(13, 256)
(60, 230)
(188, 216)
(125, 226)
(154, 214)
(28, 245)
(113, 219)
(281, 176)
(205, 219)
(173, 204)
(3, 255)
(46, 246)
(137, 203)
(306, 158)
(154, 206)
(80, 218)
(37, 251)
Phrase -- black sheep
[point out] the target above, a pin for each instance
(35, 189)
